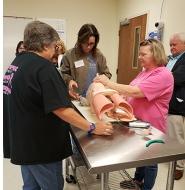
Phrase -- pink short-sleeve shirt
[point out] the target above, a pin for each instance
(157, 86)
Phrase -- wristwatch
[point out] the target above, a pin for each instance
(92, 127)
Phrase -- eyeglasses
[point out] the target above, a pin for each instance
(21, 48)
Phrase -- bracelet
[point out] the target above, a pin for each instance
(92, 127)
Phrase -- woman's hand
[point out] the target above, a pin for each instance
(73, 86)
(102, 79)
(103, 128)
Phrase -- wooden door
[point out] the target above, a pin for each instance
(131, 33)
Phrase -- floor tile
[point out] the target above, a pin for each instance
(12, 178)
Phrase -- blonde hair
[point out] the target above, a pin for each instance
(157, 50)
(60, 46)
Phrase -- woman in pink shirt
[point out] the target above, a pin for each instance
(149, 94)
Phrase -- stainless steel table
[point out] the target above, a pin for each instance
(125, 149)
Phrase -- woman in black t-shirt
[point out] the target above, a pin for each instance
(37, 110)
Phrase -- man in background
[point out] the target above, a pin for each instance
(176, 117)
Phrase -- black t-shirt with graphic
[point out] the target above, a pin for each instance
(32, 89)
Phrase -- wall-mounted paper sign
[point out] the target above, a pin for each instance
(58, 24)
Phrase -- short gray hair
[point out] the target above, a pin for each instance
(37, 35)
(180, 36)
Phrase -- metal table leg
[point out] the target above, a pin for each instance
(170, 178)
(66, 166)
(104, 181)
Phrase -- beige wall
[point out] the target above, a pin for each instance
(106, 15)
(102, 13)
(171, 13)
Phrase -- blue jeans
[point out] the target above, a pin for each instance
(146, 174)
(43, 176)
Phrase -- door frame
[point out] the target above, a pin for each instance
(126, 21)
(136, 15)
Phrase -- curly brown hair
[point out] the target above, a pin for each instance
(60, 47)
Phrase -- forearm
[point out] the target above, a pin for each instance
(71, 116)
(127, 90)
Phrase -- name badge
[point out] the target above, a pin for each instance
(79, 63)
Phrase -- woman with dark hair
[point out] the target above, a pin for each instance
(20, 48)
(81, 63)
